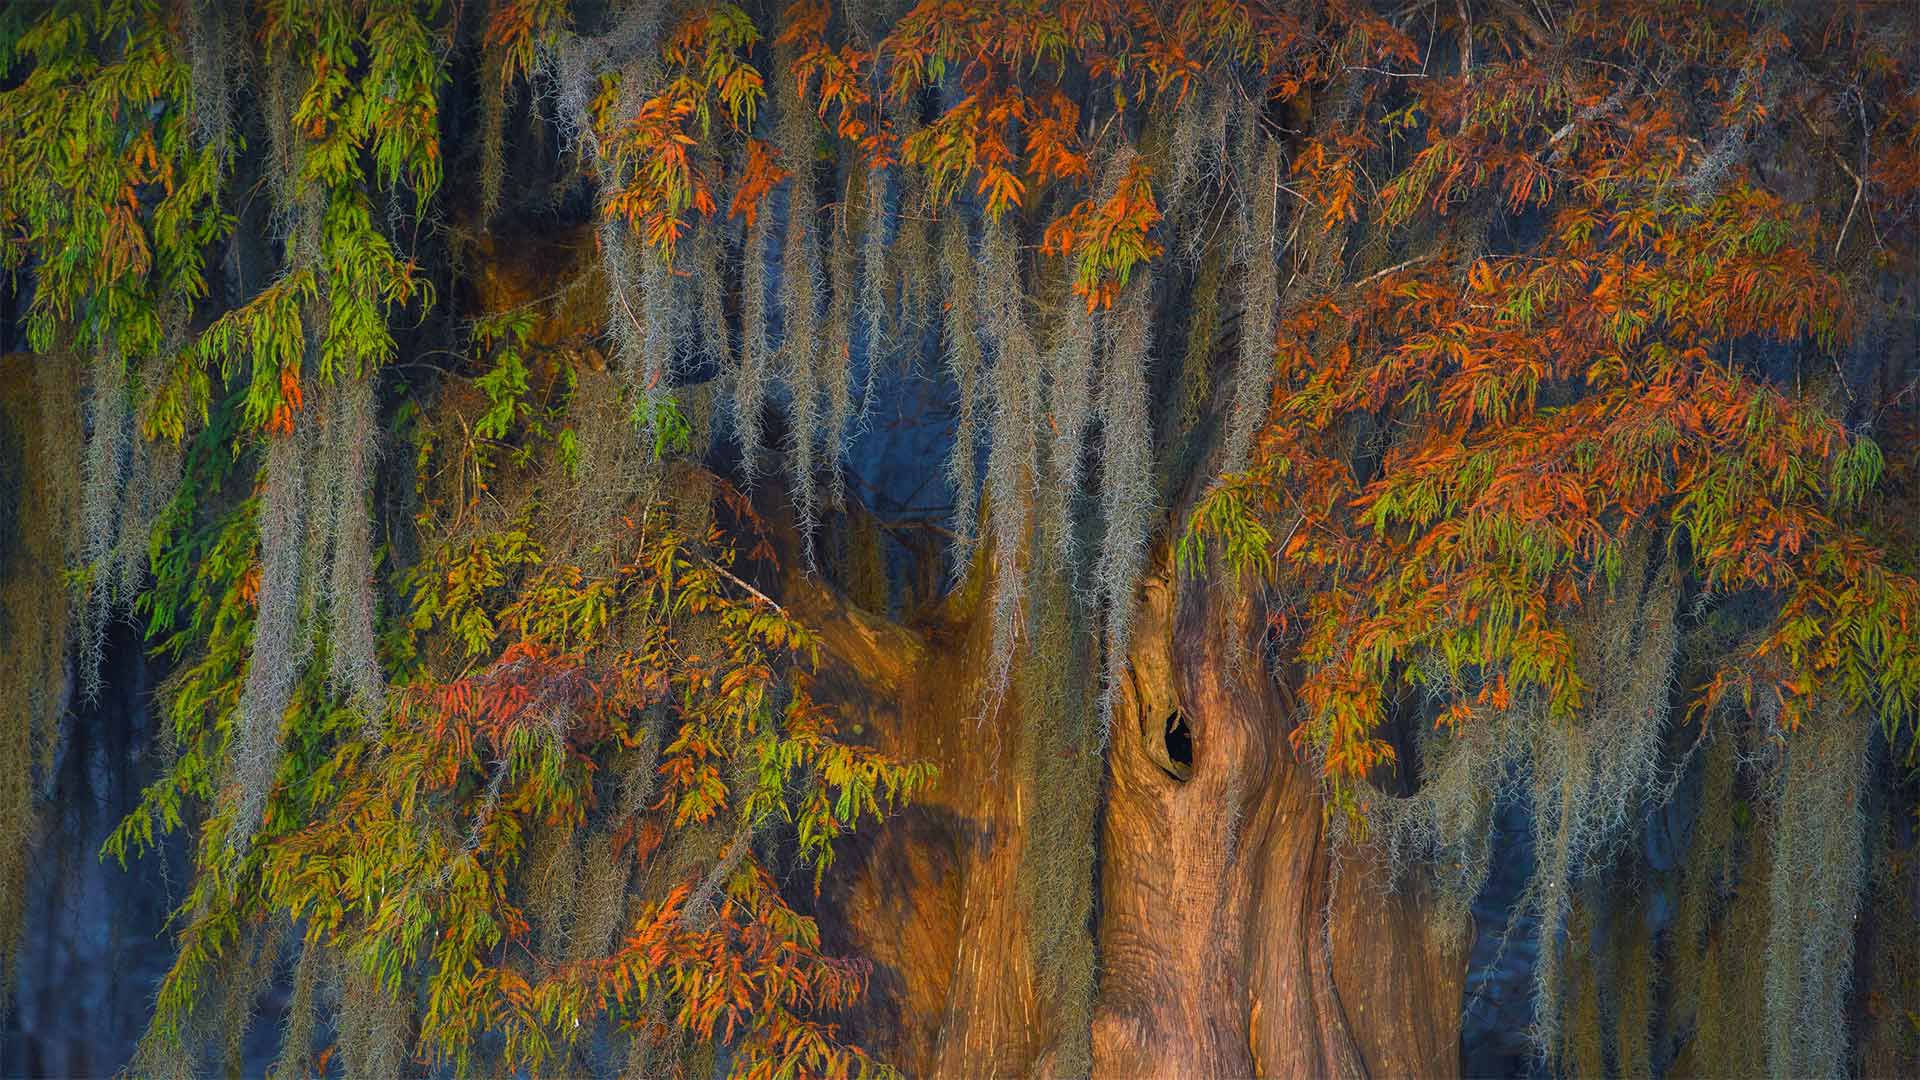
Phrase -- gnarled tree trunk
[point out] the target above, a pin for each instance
(1227, 943)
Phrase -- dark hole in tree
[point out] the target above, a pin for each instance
(1179, 745)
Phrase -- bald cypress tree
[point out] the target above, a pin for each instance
(983, 538)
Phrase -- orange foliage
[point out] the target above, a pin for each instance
(1552, 403)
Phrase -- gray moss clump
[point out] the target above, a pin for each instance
(1816, 878)
(280, 639)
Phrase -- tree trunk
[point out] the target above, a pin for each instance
(930, 896)
(1227, 943)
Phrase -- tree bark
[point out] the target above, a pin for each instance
(1231, 942)
(930, 896)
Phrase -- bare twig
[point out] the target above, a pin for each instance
(1859, 189)
(1589, 113)
(1388, 74)
(1466, 40)
(1394, 269)
(699, 902)
(738, 580)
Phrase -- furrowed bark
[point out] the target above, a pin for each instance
(1228, 945)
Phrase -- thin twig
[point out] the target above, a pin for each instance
(1388, 74)
(1466, 40)
(1859, 189)
(1394, 269)
(1591, 112)
(702, 896)
(621, 295)
(737, 580)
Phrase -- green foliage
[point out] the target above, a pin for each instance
(268, 336)
(672, 431)
(102, 178)
(455, 588)
(506, 383)
(200, 610)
